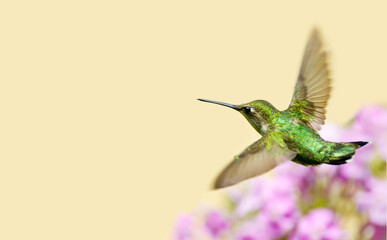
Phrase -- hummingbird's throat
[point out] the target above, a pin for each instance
(258, 123)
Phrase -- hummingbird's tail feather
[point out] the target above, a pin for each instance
(359, 144)
(345, 152)
(340, 161)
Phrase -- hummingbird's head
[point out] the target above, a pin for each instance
(258, 112)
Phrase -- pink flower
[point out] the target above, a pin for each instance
(216, 224)
(252, 200)
(371, 122)
(376, 232)
(262, 190)
(252, 230)
(356, 170)
(318, 224)
(373, 201)
(301, 177)
(183, 227)
(275, 199)
(279, 216)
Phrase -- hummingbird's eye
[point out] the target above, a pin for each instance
(247, 109)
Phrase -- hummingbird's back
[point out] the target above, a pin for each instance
(311, 149)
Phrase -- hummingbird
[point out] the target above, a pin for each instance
(290, 135)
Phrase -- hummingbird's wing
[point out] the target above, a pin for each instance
(260, 157)
(312, 88)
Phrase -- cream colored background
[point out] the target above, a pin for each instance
(101, 133)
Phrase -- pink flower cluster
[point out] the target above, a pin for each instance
(307, 203)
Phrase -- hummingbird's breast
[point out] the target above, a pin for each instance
(299, 137)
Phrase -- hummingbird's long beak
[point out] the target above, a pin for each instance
(220, 103)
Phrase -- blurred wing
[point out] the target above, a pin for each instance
(312, 89)
(258, 158)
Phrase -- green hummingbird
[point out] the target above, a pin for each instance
(290, 134)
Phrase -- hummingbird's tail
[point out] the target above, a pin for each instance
(359, 144)
(344, 152)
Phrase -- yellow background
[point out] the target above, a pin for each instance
(101, 133)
